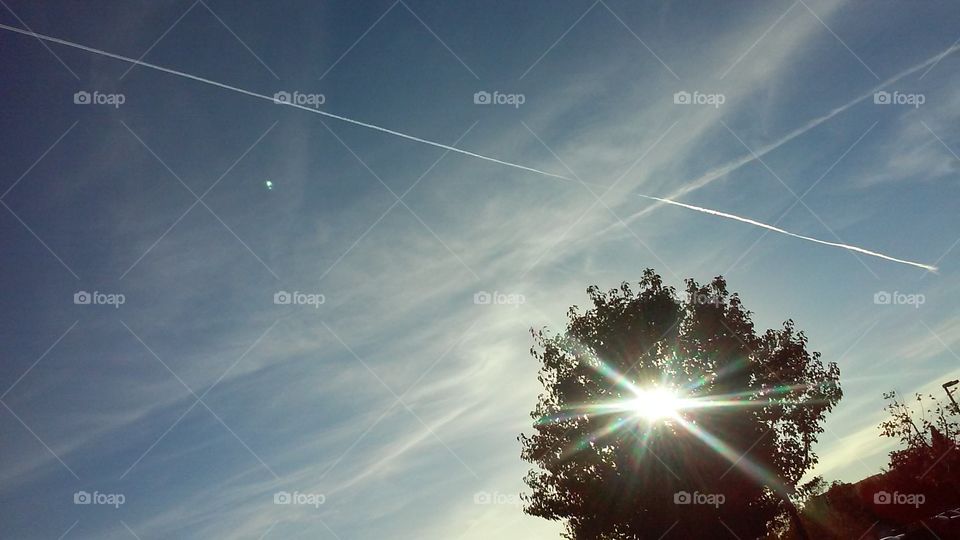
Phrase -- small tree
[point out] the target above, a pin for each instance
(929, 460)
(756, 404)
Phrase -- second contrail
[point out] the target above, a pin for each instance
(448, 147)
(268, 98)
(788, 233)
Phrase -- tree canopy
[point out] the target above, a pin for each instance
(746, 409)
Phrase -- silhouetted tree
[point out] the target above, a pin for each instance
(936, 424)
(616, 476)
(927, 465)
(928, 462)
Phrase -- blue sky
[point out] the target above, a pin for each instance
(399, 399)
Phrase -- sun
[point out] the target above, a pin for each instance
(655, 404)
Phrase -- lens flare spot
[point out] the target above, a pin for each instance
(656, 404)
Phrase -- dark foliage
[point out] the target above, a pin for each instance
(622, 483)
(922, 481)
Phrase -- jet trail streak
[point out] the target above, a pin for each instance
(268, 98)
(788, 233)
(731, 166)
(696, 184)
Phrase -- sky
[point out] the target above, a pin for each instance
(193, 352)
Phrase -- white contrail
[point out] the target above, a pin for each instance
(788, 233)
(702, 181)
(268, 98)
(731, 166)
